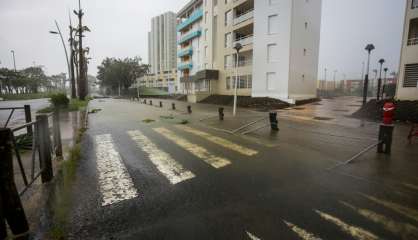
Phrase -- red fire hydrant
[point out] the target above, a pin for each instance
(388, 113)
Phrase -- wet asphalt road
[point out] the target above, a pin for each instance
(281, 190)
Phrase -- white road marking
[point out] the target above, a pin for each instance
(407, 212)
(355, 232)
(171, 169)
(406, 230)
(114, 181)
(252, 236)
(303, 234)
(220, 141)
(198, 151)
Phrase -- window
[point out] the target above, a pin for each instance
(271, 53)
(411, 75)
(215, 2)
(273, 2)
(306, 25)
(249, 81)
(228, 61)
(228, 83)
(206, 17)
(206, 51)
(273, 24)
(413, 32)
(228, 40)
(270, 80)
(228, 18)
(414, 4)
(206, 34)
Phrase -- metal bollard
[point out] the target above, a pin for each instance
(11, 209)
(145, 101)
(221, 113)
(273, 121)
(189, 109)
(173, 106)
(44, 148)
(161, 104)
(385, 138)
(150, 102)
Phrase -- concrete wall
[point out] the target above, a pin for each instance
(261, 65)
(304, 48)
(409, 55)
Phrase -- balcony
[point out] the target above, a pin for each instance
(190, 36)
(185, 65)
(412, 41)
(244, 17)
(185, 52)
(246, 40)
(414, 4)
(193, 18)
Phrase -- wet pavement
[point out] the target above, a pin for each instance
(18, 116)
(145, 175)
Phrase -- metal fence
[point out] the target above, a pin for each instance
(44, 144)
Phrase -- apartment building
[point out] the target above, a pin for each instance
(279, 55)
(407, 88)
(162, 49)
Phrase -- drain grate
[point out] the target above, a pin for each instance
(322, 118)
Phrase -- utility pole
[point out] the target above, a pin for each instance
(82, 91)
(379, 84)
(72, 51)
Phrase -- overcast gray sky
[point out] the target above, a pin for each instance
(119, 29)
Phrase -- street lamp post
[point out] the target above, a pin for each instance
(14, 59)
(379, 81)
(385, 81)
(63, 45)
(334, 79)
(369, 48)
(237, 48)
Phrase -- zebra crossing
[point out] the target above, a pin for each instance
(116, 185)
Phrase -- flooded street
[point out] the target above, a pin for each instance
(19, 115)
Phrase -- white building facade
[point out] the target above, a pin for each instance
(407, 87)
(162, 48)
(279, 58)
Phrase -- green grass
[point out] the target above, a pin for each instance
(148, 120)
(25, 96)
(152, 92)
(75, 105)
(62, 195)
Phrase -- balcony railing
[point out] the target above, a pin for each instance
(190, 36)
(244, 16)
(246, 40)
(412, 41)
(196, 15)
(185, 52)
(185, 65)
(242, 63)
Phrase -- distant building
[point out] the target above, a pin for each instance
(162, 53)
(407, 88)
(279, 58)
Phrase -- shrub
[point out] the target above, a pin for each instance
(60, 100)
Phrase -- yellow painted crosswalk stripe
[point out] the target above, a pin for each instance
(220, 141)
(252, 236)
(196, 150)
(406, 230)
(163, 161)
(355, 232)
(406, 211)
(115, 184)
(303, 234)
